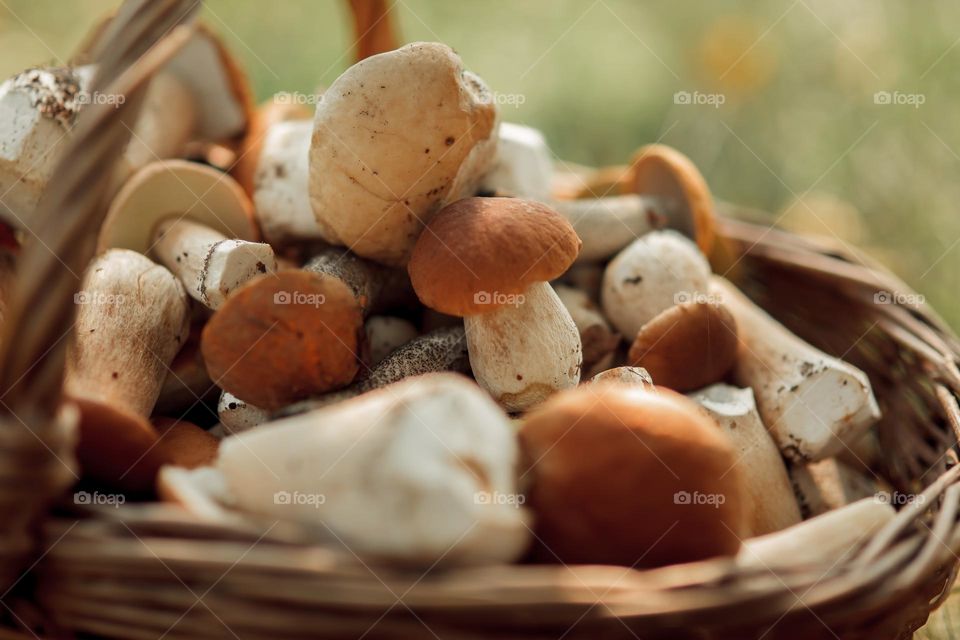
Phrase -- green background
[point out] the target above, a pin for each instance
(799, 134)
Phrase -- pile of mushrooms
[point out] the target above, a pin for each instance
(395, 323)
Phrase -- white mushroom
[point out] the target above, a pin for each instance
(654, 273)
(598, 340)
(382, 163)
(632, 376)
(812, 403)
(830, 484)
(824, 540)
(772, 504)
(236, 416)
(385, 334)
(523, 165)
(420, 472)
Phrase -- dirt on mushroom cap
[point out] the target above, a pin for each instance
(477, 252)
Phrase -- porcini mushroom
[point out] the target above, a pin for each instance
(385, 334)
(623, 475)
(687, 346)
(196, 221)
(598, 340)
(654, 273)
(420, 472)
(830, 484)
(812, 403)
(769, 494)
(378, 154)
(131, 320)
(236, 416)
(271, 112)
(489, 260)
(284, 337)
(633, 376)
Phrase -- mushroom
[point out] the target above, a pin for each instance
(613, 180)
(522, 166)
(187, 382)
(378, 154)
(196, 221)
(624, 475)
(201, 491)
(769, 494)
(385, 334)
(184, 444)
(598, 340)
(131, 320)
(38, 109)
(687, 346)
(830, 484)
(654, 273)
(812, 403)
(364, 278)
(824, 540)
(665, 189)
(420, 472)
(488, 260)
(284, 337)
(272, 112)
(633, 376)
(236, 416)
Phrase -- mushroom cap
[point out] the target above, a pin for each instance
(662, 171)
(624, 475)
(477, 252)
(184, 444)
(175, 188)
(284, 337)
(116, 447)
(687, 346)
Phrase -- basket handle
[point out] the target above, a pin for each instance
(373, 27)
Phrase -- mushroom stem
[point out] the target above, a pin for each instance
(365, 279)
(830, 484)
(768, 490)
(385, 334)
(598, 340)
(814, 405)
(608, 224)
(208, 263)
(524, 352)
(237, 416)
(132, 319)
(823, 540)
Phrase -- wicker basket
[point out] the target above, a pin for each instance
(151, 570)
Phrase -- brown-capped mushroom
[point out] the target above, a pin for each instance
(131, 321)
(196, 221)
(380, 155)
(489, 261)
(687, 346)
(623, 475)
(284, 337)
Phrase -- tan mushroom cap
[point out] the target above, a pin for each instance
(477, 251)
(611, 469)
(268, 114)
(659, 170)
(175, 188)
(687, 346)
(284, 337)
(184, 444)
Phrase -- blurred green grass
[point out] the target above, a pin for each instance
(799, 122)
